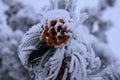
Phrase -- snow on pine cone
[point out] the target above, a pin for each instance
(55, 32)
(55, 49)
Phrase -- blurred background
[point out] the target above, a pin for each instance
(17, 16)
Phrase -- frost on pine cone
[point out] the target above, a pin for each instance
(55, 33)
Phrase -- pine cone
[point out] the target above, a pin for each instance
(55, 35)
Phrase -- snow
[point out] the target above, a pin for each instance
(62, 14)
(78, 45)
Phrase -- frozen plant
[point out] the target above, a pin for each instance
(58, 48)
(65, 46)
